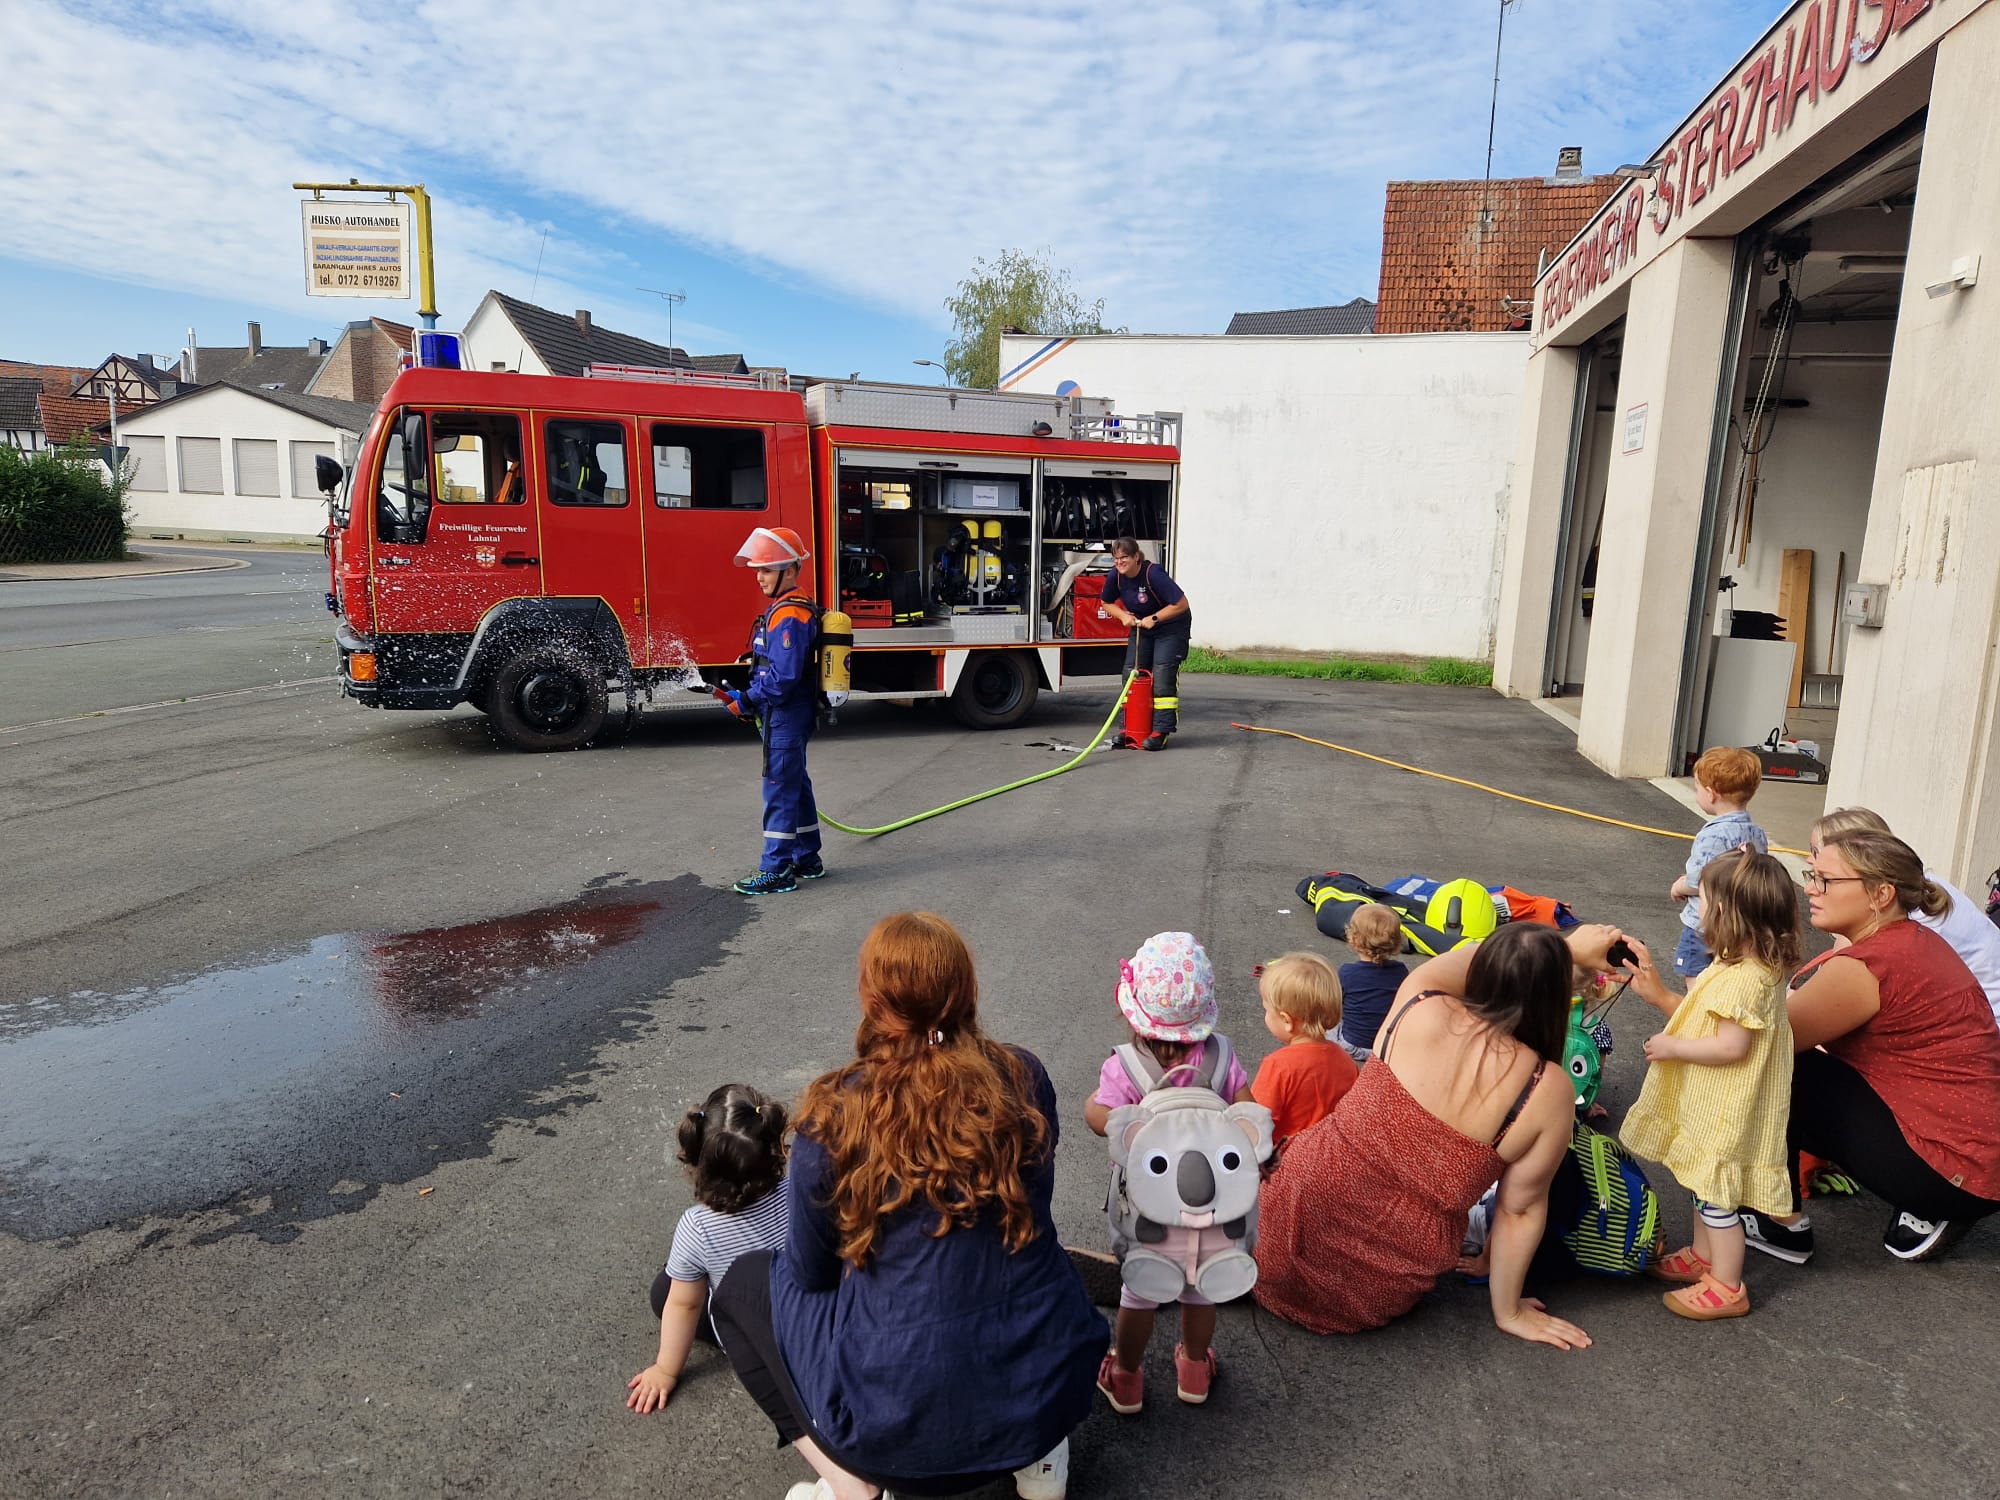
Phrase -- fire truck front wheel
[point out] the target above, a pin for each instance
(547, 698)
(996, 690)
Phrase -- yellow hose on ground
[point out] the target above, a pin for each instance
(1480, 786)
(937, 812)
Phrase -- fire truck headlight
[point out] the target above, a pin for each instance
(361, 666)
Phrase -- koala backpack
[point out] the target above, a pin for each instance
(1183, 1201)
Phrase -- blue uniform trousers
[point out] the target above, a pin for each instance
(791, 817)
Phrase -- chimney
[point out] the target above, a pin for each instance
(1569, 164)
(583, 321)
(145, 362)
(256, 340)
(316, 347)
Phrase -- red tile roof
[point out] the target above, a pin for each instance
(65, 417)
(400, 334)
(57, 380)
(1440, 274)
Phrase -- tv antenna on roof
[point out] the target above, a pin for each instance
(673, 299)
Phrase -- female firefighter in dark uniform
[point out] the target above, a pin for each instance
(1144, 595)
(784, 694)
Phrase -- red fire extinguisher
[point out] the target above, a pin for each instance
(1138, 711)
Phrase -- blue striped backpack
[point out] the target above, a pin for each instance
(1616, 1230)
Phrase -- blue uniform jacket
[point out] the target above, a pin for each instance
(946, 1355)
(784, 686)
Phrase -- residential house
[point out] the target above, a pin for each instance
(20, 412)
(276, 367)
(505, 333)
(235, 461)
(364, 359)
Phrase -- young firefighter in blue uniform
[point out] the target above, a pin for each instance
(1144, 595)
(784, 694)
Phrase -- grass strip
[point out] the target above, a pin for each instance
(1450, 671)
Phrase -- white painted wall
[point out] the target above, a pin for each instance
(1814, 483)
(227, 413)
(1337, 494)
(1920, 703)
(490, 338)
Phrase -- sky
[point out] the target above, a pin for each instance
(815, 177)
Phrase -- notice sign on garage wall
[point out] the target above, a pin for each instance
(1635, 428)
(357, 249)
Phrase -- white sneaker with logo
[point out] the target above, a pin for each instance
(1047, 1478)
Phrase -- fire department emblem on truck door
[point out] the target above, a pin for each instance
(486, 557)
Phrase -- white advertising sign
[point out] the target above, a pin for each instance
(356, 249)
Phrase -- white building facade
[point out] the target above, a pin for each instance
(1337, 493)
(1763, 379)
(231, 463)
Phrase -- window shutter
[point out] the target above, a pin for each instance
(305, 476)
(201, 466)
(148, 462)
(256, 466)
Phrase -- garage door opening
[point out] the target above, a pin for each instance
(1789, 510)
(1593, 441)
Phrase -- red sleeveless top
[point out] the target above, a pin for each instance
(1931, 1053)
(1367, 1208)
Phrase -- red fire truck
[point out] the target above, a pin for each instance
(532, 545)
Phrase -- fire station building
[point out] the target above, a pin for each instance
(1759, 474)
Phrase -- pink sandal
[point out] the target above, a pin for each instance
(1683, 1267)
(1708, 1299)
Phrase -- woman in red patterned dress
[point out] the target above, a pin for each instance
(1366, 1208)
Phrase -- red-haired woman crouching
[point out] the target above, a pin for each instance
(923, 1328)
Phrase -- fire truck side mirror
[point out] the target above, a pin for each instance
(328, 473)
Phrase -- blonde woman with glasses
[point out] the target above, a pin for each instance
(1897, 1072)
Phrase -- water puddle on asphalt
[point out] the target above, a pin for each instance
(359, 1058)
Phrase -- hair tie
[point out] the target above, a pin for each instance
(700, 1114)
(937, 1037)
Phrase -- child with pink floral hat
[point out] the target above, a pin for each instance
(1166, 992)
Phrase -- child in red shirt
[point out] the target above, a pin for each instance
(1302, 1081)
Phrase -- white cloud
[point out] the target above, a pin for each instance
(1183, 159)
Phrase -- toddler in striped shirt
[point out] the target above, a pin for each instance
(734, 1149)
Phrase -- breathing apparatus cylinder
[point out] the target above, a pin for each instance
(1138, 710)
(836, 644)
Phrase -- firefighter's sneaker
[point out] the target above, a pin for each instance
(768, 882)
(809, 868)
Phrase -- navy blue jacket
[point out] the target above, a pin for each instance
(784, 685)
(1147, 594)
(946, 1355)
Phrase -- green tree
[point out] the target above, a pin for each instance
(1020, 289)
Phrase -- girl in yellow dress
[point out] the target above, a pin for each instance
(1716, 1097)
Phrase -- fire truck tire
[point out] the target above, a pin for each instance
(996, 690)
(547, 698)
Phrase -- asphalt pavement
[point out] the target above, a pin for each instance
(341, 1051)
(91, 645)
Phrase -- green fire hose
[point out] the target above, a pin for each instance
(1069, 765)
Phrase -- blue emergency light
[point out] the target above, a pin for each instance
(437, 350)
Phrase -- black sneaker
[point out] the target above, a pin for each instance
(1911, 1238)
(809, 868)
(768, 883)
(1156, 742)
(1761, 1232)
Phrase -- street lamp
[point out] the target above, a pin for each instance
(944, 376)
